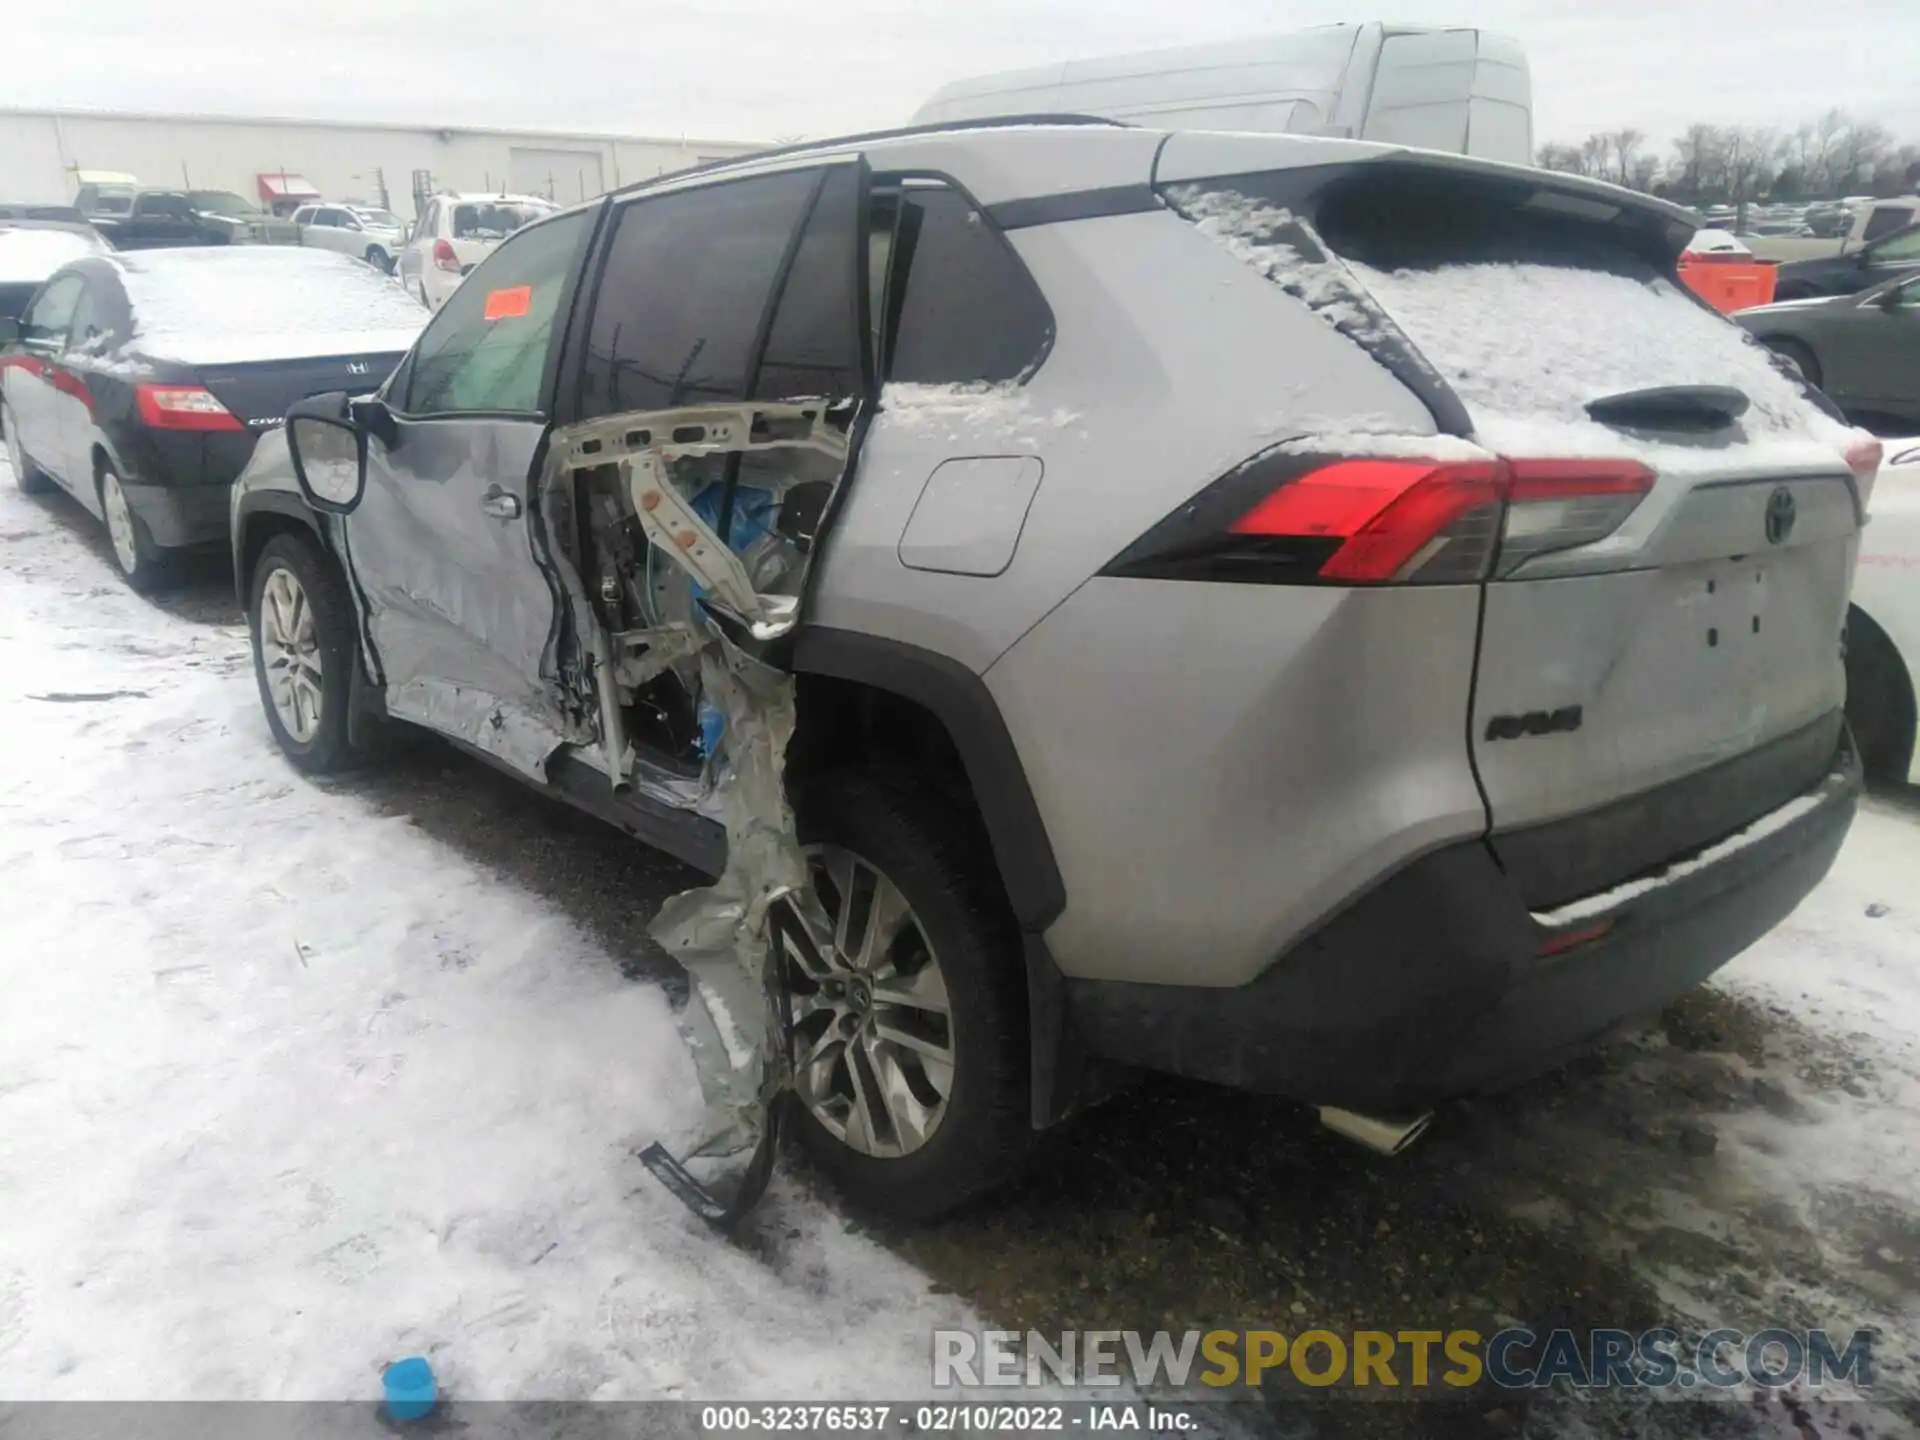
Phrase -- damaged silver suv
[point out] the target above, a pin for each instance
(1303, 614)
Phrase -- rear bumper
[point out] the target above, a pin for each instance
(181, 515)
(1433, 984)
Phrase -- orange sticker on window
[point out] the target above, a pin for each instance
(506, 304)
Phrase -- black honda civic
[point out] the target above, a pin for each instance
(140, 381)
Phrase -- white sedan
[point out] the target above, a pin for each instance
(1883, 628)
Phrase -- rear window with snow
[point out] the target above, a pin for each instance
(234, 304)
(1530, 303)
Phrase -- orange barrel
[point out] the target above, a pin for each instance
(1729, 282)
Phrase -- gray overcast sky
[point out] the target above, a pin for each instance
(760, 69)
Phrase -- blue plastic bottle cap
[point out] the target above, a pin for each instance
(411, 1391)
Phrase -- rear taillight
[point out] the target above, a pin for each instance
(1560, 504)
(182, 407)
(1300, 519)
(444, 258)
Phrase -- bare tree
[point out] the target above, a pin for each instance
(1593, 156)
(1832, 156)
(1555, 155)
(1699, 161)
(1752, 157)
(1858, 151)
(1624, 146)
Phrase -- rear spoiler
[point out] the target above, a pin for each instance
(1190, 156)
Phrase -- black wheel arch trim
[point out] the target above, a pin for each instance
(365, 700)
(960, 700)
(269, 502)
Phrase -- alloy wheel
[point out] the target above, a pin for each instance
(872, 1024)
(290, 655)
(113, 502)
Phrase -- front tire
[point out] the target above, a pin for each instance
(911, 1058)
(26, 475)
(379, 259)
(303, 637)
(144, 564)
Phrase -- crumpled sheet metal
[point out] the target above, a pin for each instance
(734, 1021)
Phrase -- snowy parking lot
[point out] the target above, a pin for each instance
(298, 1078)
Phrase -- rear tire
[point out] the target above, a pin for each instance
(1798, 356)
(937, 859)
(301, 625)
(30, 478)
(1880, 700)
(145, 565)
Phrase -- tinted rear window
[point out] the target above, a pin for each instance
(492, 222)
(688, 280)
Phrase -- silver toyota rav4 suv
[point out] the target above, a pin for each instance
(1309, 615)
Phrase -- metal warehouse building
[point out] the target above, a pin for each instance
(268, 159)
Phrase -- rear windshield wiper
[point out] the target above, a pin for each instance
(1671, 407)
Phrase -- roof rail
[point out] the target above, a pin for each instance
(989, 122)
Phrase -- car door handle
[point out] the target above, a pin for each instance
(499, 504)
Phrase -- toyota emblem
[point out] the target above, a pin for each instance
(1781, 513)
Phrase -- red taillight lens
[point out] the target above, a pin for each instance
(1306, 519)
(1389, 513)
(444, 258)
(182, 407)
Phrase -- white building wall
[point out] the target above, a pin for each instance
(40, 149)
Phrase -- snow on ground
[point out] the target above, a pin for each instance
(288, 1089)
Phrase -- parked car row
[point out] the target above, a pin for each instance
(139, 382)
(1483, 694)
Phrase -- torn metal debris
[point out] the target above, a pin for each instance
(683, 538)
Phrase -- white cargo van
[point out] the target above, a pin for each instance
(1461, 90)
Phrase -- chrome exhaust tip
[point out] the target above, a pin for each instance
(1382, 1136)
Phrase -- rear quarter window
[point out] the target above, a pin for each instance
(963, 308)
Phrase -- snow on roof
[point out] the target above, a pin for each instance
(28, 256)
(233, 304)
(1716, 242)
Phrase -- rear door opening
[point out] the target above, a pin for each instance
(1678, 518)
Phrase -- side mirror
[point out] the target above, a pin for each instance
(329, 453)
(9, 330)
(1889, 299)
